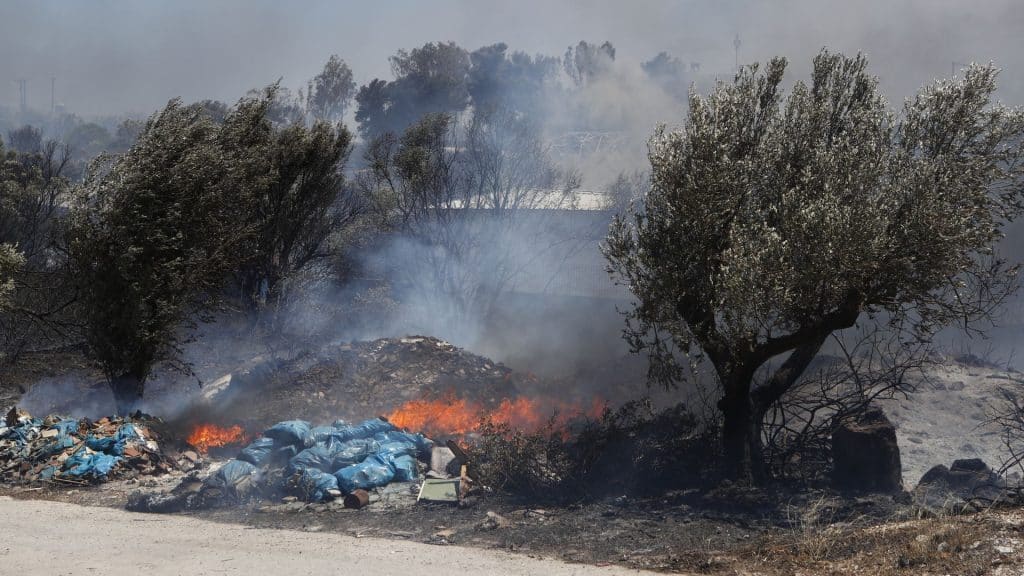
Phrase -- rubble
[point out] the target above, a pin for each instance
(65, 450)
(353, 379)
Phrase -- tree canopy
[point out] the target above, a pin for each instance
(154, 236)
(330, 92)
(772, 221)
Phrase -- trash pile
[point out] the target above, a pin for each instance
(67, 450)
(294, 459)
(354, 379)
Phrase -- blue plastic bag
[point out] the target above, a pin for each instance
(393, 450)
(353, 452)
(322, 433)
(256, 452)
(291, 432)
(65, 427)
(318, 458)
(232, 473)
(127, 432)
(96, 465)
(313, 484)
(365, 429)
(406, 469)
(423, 444)
(107, 445)
(369, 473)
(58, 444)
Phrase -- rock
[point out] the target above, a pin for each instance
(493, 520)
(954, 487)
(970, 465)
(865, 454)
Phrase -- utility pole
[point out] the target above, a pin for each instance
(23, 94)
(53, 95)
(736, 45)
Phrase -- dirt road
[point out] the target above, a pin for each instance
(53, 538)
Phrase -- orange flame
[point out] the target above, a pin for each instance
(451, 416)
(206, 436)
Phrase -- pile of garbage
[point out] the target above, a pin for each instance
(294, 459)
(76, 451)
(353, 379)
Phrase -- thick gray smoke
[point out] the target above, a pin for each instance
(115, 57)
(557, 314)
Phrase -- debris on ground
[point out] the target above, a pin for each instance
(353, 379)
(81, 451)
(295, 461)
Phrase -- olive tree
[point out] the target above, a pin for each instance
(153, 236)
(773, 221)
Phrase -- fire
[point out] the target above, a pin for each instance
(451, 416)
(206, 436)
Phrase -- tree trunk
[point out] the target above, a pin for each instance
(741, 435)
(736, 417)
(127, 389)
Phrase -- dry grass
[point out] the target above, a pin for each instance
(962, 545)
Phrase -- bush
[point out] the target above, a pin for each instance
(632, 450)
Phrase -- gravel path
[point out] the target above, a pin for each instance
(54, 538)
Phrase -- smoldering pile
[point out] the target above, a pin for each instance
(352, 380)
(79, 451)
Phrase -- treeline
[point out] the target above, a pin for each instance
(436, 77)
(208, 209)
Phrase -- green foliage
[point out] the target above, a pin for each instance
(299, 202)
(330, 92)
(155, 233)
(516, 80)
(88, 139)
(428, 79)
(773, 221)
(197, 200)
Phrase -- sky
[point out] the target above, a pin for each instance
(117, 57)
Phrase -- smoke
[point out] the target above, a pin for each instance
(70, 395)
(117, 57)
(557, 313)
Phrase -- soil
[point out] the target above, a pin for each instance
(736, 531)
(108, 541)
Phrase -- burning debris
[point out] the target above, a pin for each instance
(60, 450)
(206, 436)
(356, 379)
(294, 459)
(452, 416)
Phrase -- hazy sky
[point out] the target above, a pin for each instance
(112, 57)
